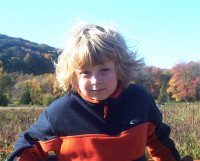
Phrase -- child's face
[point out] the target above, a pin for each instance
(98, 82)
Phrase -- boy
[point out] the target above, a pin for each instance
(102, 117)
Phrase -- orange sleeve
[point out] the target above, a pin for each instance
(157, 150)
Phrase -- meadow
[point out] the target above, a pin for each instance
(183, 118)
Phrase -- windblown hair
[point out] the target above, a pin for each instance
(91, 45)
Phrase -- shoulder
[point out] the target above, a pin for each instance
(136, 90)
(144, 100)
(137, 93)
(61, 101)
(61, 104)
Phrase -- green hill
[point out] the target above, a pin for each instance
(19, 55)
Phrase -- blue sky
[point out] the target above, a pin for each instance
(167, 31)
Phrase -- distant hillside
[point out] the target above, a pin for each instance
(17, 54)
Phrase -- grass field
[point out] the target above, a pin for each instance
(184, 120)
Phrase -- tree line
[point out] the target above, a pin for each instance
(181, 83)
(27, 76)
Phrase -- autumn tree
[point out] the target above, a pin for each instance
(150, 78)
(184, 84)
(195, 67)
(36, 92)
(30, 89)
(42, 89)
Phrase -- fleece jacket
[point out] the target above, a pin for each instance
(76, 129)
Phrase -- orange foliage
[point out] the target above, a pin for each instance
(184, 82)
(48, 56)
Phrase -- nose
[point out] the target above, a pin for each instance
(96, 79)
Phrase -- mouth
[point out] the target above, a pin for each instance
(98, 90)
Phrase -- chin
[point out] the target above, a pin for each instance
(100, 98)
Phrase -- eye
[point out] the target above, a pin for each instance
(105, 69)
(85, 72)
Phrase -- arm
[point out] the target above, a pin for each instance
(187, 158)
(159, 144)
(33, 144)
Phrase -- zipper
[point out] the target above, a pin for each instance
(105, 109)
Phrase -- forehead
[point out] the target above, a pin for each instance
(106, 63)
(91, 61)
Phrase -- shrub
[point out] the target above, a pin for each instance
(3, 100)
(48, 99)
(25, 98)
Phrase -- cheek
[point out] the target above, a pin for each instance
(112, 82)
(83, 84)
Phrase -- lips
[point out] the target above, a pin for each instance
(98, 90)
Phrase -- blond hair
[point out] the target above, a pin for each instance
(90, 45)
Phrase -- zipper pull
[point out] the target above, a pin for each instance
(105, 110)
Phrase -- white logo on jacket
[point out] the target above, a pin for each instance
(135, 120)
